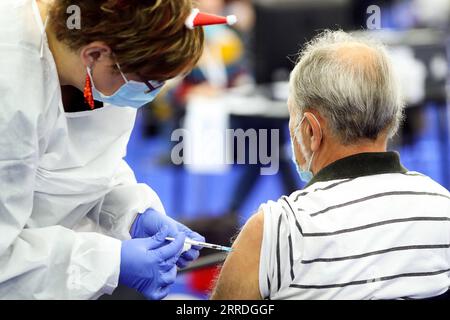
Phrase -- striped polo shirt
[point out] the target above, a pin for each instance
(363, 228)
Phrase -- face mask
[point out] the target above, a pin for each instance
(306, 175)
(132, 94)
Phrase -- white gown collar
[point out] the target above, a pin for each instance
(42, 24)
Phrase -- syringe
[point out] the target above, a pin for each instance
(204, 244)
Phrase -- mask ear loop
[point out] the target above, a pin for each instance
(321, 136)
(296, 131)
(320, 127)
(296, 137)
(121, 73)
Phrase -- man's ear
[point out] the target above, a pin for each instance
(315, 130)
(95, 52)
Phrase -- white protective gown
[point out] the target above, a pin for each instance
(67, 197)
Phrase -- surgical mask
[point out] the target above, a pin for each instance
(132, 94)
(306, 175)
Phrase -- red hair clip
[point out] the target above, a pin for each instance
(199, 19)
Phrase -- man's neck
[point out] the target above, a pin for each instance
(334, 152)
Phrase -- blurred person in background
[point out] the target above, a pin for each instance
(228, 48)
(221, 67)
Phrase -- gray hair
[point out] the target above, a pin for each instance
(350, 81)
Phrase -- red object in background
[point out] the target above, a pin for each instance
(203, 19)
(203, 280)
(199, 19)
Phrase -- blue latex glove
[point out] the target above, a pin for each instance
(148, 264)
(151, 222)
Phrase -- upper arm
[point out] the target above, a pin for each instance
(239, 277)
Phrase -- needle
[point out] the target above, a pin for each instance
(204, 244)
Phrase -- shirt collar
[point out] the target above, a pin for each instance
(359, 165)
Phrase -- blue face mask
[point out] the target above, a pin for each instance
(132, 94)
(305, 175)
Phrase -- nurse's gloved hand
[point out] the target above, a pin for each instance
(151, 222)
(192, 254)
(149, 264)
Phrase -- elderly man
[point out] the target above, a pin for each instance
(364, 227)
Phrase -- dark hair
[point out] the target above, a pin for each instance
(147, 37)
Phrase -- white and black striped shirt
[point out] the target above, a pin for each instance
(365, 228)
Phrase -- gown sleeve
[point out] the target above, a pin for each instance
(120, 206)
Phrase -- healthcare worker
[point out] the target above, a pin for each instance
(74, 222)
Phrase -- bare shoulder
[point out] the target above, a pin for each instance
(253, 229)
(239, 277)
